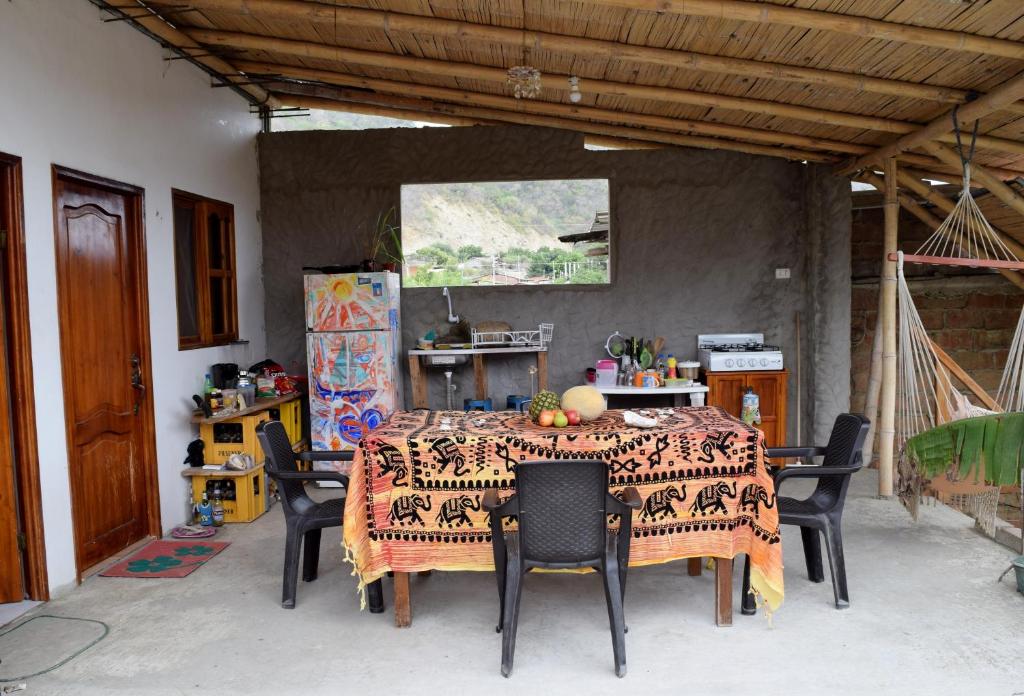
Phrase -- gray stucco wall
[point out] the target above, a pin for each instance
(696, 235)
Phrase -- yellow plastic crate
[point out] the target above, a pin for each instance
(290, 415)
(243, 493)
(232, 436)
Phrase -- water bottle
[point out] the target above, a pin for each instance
(205, 511)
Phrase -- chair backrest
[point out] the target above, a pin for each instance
(847, 440)
(280, 458)
(562, 510)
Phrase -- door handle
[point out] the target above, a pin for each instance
(136, 378)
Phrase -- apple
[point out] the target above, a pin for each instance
(573, 416)
(546, 418)
(561, 420)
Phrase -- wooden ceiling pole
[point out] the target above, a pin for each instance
(339, 54)
(343, 96)
(939, 128)
(887, 425)
(980, 174)
(180, 41)
(864, 27)
(550, 108)
(397, 23)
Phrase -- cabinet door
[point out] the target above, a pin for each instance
(771, 388)
(726, 390)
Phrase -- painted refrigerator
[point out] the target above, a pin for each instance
(352, 342)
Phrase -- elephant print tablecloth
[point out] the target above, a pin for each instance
(418, 480)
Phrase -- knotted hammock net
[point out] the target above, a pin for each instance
(927, 394)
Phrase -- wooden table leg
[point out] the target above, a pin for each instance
(693, 566)
(403, 607)
(542, 370)
(480, 376)
(723, 591)
(419, 383)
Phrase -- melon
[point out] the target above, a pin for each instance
(587, 401)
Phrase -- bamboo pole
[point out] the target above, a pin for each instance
(180, 41)
(887, 429)
(863, 27)
(393, 23)
(344, 98)
(554, 81)
(939, 128)
(980, 174)
(549, 108)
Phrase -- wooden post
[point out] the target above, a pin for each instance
(887, 426)
(403, 605)
(874, 385)
(480, 376)
(419, 383)
(723, 591)
(542, 370)
(693, 566)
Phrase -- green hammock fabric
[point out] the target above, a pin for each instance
(996, 441)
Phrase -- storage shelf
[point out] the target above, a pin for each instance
(260, 405)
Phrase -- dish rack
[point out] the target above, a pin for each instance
(536, 338)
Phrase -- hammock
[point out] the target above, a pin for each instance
(939, 433)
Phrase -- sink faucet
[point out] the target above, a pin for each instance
(452, 318)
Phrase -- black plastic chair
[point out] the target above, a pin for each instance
(562, 509)
(822, 511)
(304, 516)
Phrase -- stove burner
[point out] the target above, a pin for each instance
(739, 347)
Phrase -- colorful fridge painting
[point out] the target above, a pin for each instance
(352, 353)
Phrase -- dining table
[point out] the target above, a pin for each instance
(417, 482)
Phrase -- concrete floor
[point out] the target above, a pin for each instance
(927, 617)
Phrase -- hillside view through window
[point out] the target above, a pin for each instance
(551, 232)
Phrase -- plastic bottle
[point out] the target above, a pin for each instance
(660, 370)
(218, 508)
(205, 511)
(751, 411)
(671, 366)
(208, 390)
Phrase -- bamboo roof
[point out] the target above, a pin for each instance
(837, 81)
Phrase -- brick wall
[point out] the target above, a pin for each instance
(971, 315)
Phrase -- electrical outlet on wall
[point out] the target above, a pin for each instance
(782, 274)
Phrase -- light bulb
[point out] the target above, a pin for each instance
(574, 90)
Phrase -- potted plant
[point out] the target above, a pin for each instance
(384, 251)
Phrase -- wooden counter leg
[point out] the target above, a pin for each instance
(480, 376)
(723, 591)
(693, 566)
(542, 370)
(419, 383)
(403, 607)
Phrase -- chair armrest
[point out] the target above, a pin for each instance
(812, 472)
(309, 476)
(510, 506)
(631, 498)
(325, 456)
(795, 452)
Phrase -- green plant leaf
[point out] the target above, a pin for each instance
(995, 441)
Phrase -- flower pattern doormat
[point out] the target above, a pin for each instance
(165, 559)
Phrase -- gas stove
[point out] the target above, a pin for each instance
(737, 353)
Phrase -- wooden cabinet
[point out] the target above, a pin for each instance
(726, 389)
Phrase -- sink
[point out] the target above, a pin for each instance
(444, 360)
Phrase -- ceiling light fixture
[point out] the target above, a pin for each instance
(575, 96)
(525, 81)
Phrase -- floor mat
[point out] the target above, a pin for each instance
(165, 559)
(44, 643)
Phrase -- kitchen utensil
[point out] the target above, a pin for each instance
(659, 345)
(616, 345)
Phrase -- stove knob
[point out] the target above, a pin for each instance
(739, 362)
(764, 362)
(728, 362)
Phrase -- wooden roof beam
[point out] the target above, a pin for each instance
(940, 127)
(339, 54)
(158, 27)
(342, 97)
(436, 27)
(864, 27)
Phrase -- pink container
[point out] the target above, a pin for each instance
(607, 370)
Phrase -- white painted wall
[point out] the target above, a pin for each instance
(99, 98)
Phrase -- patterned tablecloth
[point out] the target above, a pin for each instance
(418, 480)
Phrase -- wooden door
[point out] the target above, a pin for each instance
(104, 324)
(11, 572)
(726, 390)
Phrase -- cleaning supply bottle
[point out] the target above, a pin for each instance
(671, 366)
(205, 511)
(218, 508)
